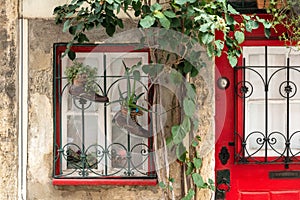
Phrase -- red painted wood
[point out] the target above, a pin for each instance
(94, 182)
(285, 195)
(248, 182)
(254, 196)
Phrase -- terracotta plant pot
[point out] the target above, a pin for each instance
(263, 4)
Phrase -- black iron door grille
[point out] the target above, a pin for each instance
(266, 105)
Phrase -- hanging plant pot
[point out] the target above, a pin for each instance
(129, 122)
(82, 80)
(79, 88)
(263, 4)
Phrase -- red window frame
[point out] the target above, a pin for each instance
(58, 51)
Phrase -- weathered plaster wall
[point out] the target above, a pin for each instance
(8, 103)
(42, 35)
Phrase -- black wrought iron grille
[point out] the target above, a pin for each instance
(89, 144)
(267, 113)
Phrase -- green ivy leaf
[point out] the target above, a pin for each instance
(110, 29)
(181, 152)
(187, 67)
(189, 107)
(232, 10)
(210, 50)
(194, 72)
(229, 19)
(147, 22)
(211, 184)
(186, 124)
(195, 143)
(172, 180)
(165, 22)
(169, 14)
(169, 140)
(195, 124)
(162, 185)
(205, 27)
(197, 162)
(189, 195)
(155, 7)
(219, 45)
(239, 36)
(72, 30)
(180, 2)
(267, 32)
(158, 14)
(190, 168)
(232, 60)
(66, 25)
(198, 180)
(249, 26)
(71, 55)
(255, 25)
(179, 131)
(82, 38)
(207, 38)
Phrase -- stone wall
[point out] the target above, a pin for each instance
(42, 35)
(8, 103)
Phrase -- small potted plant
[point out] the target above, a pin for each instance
(127, 116)
(82, 79)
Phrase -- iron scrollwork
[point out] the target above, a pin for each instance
(265, 145)
(107, 158)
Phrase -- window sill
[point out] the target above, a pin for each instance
(95, 182)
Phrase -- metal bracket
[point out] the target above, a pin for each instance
(223, 184)
(224, 155)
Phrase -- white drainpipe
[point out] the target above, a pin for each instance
(23, 108)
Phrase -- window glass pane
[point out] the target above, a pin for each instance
(272, 110)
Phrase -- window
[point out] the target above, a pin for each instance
(268, 106)
(90, 140)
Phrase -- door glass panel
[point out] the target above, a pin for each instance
(268, 105)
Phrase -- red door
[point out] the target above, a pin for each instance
(257, 124)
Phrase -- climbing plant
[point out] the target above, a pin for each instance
(214, 24)
(287, 17)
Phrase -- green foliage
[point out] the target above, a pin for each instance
(78, 68)
(287, 17)
(189, 195)
(129, 98)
